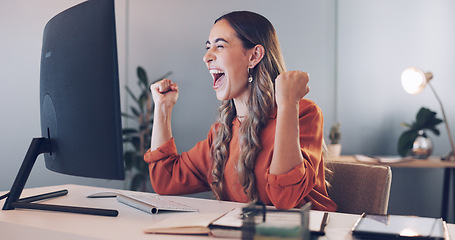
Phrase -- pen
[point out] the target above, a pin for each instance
(324, 221)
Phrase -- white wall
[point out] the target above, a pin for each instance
(376, 41)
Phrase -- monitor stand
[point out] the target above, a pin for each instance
(38, 146)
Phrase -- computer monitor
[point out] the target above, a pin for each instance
(80, 103)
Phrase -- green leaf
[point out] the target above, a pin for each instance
(431, 123)
(143, 79)
(426, 119)
(139, 162)
(135, 111)
(143, 99)
(422, 115)
(406, 141)
(126, 140)
(434, 130)
(131, 94)
(144, 126)
(136, 142)
(129, 157)
(137, 181)
(128, 116)
(139, 101)
(128, 131)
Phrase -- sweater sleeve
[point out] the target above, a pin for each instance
(171, 173)
(306, 181)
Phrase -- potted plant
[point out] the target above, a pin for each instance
(334, 147)
(414, 141)
(136, 140)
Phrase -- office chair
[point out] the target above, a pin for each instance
(358, 188)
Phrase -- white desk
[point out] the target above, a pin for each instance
(34, 224)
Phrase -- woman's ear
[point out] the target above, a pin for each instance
(256, 56)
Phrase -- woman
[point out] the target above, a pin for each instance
(267, 143)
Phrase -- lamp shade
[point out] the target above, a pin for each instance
(414, 80)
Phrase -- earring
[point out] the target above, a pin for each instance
(250, 78)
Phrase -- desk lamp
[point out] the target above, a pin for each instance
(414, 80)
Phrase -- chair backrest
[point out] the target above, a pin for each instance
(358, 188)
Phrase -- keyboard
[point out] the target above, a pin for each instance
(152, 204)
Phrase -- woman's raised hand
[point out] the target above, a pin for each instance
(165, 92)
(291, 86)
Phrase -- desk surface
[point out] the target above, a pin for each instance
(431, 162)
(34, 224)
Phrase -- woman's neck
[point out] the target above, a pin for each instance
(241, 108)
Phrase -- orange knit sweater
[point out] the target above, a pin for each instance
(171, 173)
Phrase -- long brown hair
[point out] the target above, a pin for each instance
(252, 29)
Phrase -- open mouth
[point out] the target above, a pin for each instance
(218, 76)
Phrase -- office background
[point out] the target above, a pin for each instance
(355, 51)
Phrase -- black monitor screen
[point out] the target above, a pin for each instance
(79, 92)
